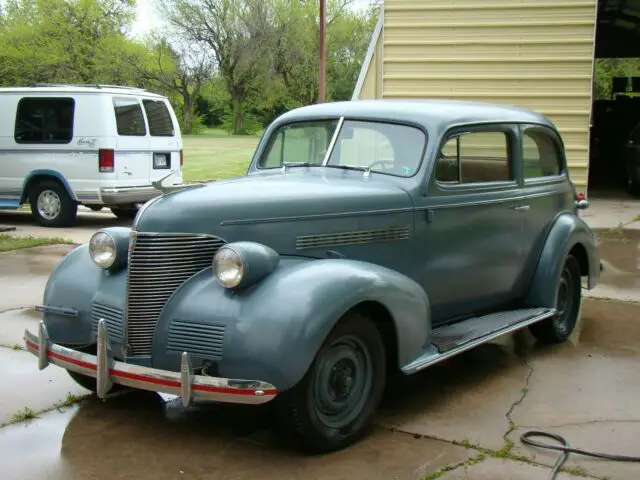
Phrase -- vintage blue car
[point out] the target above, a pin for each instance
(366, 238)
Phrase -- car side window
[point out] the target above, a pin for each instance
(540, 155)
(476, 157)
(44, 120)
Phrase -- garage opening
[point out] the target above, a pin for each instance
(614, 160)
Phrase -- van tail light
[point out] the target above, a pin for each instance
(106, 160)
(181, 158)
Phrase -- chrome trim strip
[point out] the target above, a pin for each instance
(186, 379)
(428, 360)
(69, 312)
(252, 392)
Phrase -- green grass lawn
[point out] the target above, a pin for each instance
(215, 155)
(10, 242)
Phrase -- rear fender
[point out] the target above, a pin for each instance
(273, 329)
(567, 231)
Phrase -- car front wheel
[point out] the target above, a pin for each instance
(334, 403)
(51, 205)
(558, 328)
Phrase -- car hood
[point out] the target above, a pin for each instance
(268, 202)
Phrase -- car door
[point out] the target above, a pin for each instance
(546, 189)
(470, 224)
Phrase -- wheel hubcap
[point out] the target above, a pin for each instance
(49, 204)
(343, 380)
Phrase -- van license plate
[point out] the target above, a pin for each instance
(160, 160)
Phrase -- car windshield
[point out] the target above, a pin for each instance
(382, 147)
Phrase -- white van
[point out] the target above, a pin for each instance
(101, 146)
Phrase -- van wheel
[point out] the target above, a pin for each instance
(333, 405)
(128, 213)
(51, 205)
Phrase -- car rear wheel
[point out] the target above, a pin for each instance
(334, 403)
(51, 205)
(558, 328)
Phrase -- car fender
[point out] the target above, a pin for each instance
(45, 173)
(273, 329)
(73, 288)
(567, 231)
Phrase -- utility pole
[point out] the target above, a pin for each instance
(322, 80)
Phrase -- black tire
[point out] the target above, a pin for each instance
(354, 345)
(558, 328)
(633, 188)
(125, 213)
(90, 383)
(51, 205)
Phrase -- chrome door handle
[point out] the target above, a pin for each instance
(521, 208)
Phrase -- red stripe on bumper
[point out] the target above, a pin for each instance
(154, 381)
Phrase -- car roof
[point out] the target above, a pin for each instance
(435, 113)
(67, 89)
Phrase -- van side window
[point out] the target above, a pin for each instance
(540, 155)
(129, 118)
(44, 120)
(159, 118)
(475, 157)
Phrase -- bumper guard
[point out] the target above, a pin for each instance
(108, 372)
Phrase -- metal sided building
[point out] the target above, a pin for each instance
(537, 54)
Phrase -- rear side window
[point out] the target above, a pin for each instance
(44, 120)
(540, 155)
(129, 117)
(476, 157)
(159, 118)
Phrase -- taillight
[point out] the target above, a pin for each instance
(580, 196)
(181, 158)
(106, 160)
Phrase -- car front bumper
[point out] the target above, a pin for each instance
(108, 372)
(128, 195)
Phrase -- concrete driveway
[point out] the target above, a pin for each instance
(460, 419)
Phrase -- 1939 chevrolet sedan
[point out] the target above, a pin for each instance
(366, 237)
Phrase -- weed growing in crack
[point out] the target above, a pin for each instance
(17, 347)
(447, 468)
(25, 414)
(70, 400)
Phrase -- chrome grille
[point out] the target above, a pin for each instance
(158, 265)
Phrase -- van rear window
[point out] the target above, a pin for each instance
(129, 118)
(44, 120)
(160, 124)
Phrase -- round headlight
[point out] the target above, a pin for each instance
(228, 267)
(102, 248)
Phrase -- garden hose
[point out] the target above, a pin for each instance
(564, 447)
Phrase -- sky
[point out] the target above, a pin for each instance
(146, 15)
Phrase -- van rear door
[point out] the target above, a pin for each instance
(164, 138)
(132, 144)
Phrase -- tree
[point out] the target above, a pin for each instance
(238, 34)
(181, 70)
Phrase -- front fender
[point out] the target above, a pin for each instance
(567, 231)
(273, 329)
(78, 285)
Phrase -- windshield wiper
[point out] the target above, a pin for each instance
(297, 164)
(366, 170)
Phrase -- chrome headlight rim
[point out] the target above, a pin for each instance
(217, 266)
(93, 245)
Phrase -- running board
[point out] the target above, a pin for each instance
(450, 340)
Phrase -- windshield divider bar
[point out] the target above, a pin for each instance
(332, 144)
